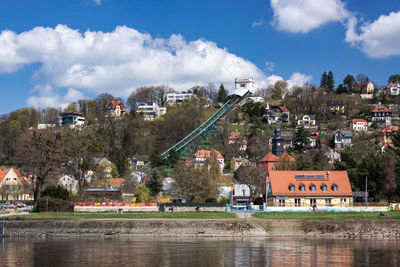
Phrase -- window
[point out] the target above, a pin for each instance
(302, 188)
(281, 203)
(312, 188)
(243, 85)
(323, 188)
(291, 188)
(334, 188)
(313, 202)
(328, 202)
(343, 200)
(297, 202)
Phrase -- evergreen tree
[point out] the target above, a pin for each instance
(340, 89)
(394, 78)
(324, 81)
(173, 157)
(221, 94)
(300, 139)
(330, 83)
(156, 160)
(349, 83)
(154, 183)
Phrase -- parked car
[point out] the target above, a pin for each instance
(19, 204)
(7, 206)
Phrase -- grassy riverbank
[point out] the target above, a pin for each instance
(138, 215)
(327, 215)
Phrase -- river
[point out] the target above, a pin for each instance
(143, 251)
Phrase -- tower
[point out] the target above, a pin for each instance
(277, 142)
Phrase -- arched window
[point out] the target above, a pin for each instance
(334, 188)
(324, 188)
(302, 188)
(291, 187)
(312, 187)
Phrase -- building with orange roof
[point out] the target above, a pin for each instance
(382, 115)
(237, 140)
(271, 162)
(202, 156)
(359, 125)
(366, 88)
(385, 136)
(309, 188)
(12, 185)
(116, 108)
(393, 88)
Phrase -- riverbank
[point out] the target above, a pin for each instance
(244, 225)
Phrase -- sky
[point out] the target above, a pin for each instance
(54, 52)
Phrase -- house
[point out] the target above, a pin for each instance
(336, 106)
(237, 162)
(12, 185)
(313, 140)
(72, 119)
(135, 164)
(393, 88)
(359, 125)
(116, 108)
(279, 142)
(342, 139)
(68, 182)
(385, 136)
(308, 121)
(276, 113)
(237, 141)
(310, 188)
(151, 110)
(332, 156)
(239, 193)
(382, 115)
(247, 84)
(365, 88)
(271, 161)
(201, 157)
(254, 99)
(178, 98)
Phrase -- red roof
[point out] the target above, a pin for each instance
(5, 171)
(269, 158)
(284, 109)
(390, 129)
(394, 84)
(207, 154)
(236, 135)
(281, 181)
(115, 103)
(359, 120)
(381, 109)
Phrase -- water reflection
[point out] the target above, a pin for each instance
(198, 252)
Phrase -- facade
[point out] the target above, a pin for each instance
(308, 121)
(393, 88)
(271, 162)
(342, 139)
(247, 84)
(385, 136)
(69, 183)
(12, 185)
(366, 88)
(237, 140)
(201, 157)
(135, 164)
(151, 110)
(116, 109)
(333, 156)
(240, 194)
(277, 113)
(72, 119)
(382, 115)
(336, 106)
(359, 125)
(178, 98)
(311, 188)
(237, 162)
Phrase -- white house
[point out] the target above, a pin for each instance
(202, 156)
(72, 119)
(247, 84)
(333, 156)
(393, 88)
(151, 110)
(69, 183)
(177, 98)
(359, 125)
(382, 115)
(342, 138)
(254, 99)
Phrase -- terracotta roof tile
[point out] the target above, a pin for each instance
(207, 154)
(236, 135)
(381, 109)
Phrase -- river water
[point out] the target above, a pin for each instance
(198, 252)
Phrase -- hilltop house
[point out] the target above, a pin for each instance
(365, 88)
(393, 88)
(310, 188)
(151, 110)
(308, 121)
(276, 113)
(359, 125)
(74, 120)
(237, 141)
(271, 161)
(12, 185)
(201, 157)
(116, 109)
(254, 99)
(69, 183)
(382, 115)
(336, 106)
(237, 162)
(342, 139)
(178, 98)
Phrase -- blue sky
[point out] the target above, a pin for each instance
(54, 52)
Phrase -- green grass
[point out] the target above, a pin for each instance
(138, 215)
(327, 215)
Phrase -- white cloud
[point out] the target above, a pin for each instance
(97, 2)
(258, 23)
(379, 39)
(302, 16)
(269, 66)
(298, 79)
(117, 62)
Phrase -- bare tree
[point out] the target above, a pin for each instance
(254, 178)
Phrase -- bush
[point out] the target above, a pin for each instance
(58, 192)
(224, 200)
(211, 200)
(48, 204)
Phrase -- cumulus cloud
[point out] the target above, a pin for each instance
(258, 23)
(302, 16)
(117, 62)
(298, 79)
(379, 39)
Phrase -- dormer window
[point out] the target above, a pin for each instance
(302, 188)
(291, 188)
(324, 188)
(334, 188)
(312, 188)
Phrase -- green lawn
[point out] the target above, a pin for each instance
(138, 215)
(326, 215)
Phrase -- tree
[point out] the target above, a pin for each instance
(142, 193)
(154, 183)
(279, 89)
(211, 92)
(324, 81)
(349, 83)
(38, 156)
(254, 178)
(341, 89)
(362, 78)
(58, 192)
(301, 138)
(394, 78)
(221, 94)
(389, 183)
(330, 82)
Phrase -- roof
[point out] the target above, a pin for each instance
(284, 109)
(300, 116)
(394, 84)
(240, 92)
(115, 182)
(272, 158)
(5, 171)
(359, 120)
(345, 133)
(381, 109)
(207, 154)
(115, 103)
(281, 180)
(71, 113)
(236, 135)
(390, 129)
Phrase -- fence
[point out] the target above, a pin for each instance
(244, 208)
(193, 206)
(114, 207)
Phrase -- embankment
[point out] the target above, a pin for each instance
(204, 228)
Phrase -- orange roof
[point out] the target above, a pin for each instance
(269, 158)
(281, 181)
(390, 129)
(284, 109)
(359, 120)
(207, 154)
(395, 84)
(116, 182)
(5, 171)
(381, 109)
(115, 103)
(236, 135)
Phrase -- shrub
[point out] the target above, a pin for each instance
(224, 200)
(211, 200)
(49, 204)
(57, 192)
